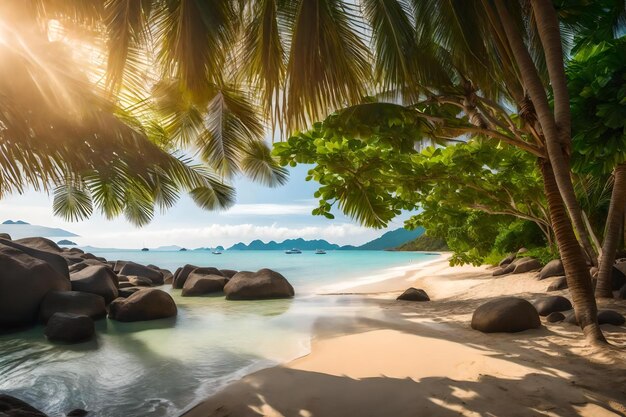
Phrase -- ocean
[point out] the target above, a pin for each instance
(160, 368)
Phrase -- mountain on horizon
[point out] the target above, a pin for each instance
(20, 229)
(389, 240)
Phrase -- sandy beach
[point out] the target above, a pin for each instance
(423, 359)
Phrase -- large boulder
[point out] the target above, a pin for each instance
(148, 304)
(13, 407)
(553, 268)
(228, 273)
(526, 265)
(96, 279)
(5, 236)
(84, 264)
(181, 277)
(168, 277)
(135, 269)
(414, 294)
(55, 260)
(558, 284)
(138, 281)
(621, 295)
(555, 317)
(200, 284)
(83, 303)
(40, 243)
(69, 328)
(262, 284)
(507, 260)
(507, 314)
(604, 317)
(551, 304)
(24, 282)
(618, 276)
(118, 266)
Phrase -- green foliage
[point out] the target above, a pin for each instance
(519, 234)
(544, 254)
(425, 243)
(597, 86)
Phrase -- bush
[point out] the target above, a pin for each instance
(519, 234)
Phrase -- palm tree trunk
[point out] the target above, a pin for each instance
(612, 236)
(557, 143)
(576, 272)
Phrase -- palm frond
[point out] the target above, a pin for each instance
(259, 165)
(71, 202)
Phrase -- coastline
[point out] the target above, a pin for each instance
(424, 356)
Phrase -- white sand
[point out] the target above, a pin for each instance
(423, 359)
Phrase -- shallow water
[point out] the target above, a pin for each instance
(159, 368)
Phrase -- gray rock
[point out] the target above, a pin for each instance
(181, 276)
(96, 279)
(82, 303)
(148, 304)
(262, 284)
(53, 259)
(414, 294)
(507, 260)
(201, 284)
(132, 268)
(526, 265)
(551, 304)
(558, 284)
(24, 282)
(5, 236)
(555, 317)
(228, 273)
(140, 281)
(69, 328)
(604, 317)
(507, 314)
(553, 268)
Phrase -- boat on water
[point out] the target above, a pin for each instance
(145, 249)
(320, 252)
(217, 252)
(293, 251)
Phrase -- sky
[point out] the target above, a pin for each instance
(260, 213)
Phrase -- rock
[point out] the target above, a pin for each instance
(507, 260)
(148, 304)
(24, 282)
(521, 251)
(507, 314)
(96, 279)
(499, 271)
(5, 236)
(262, 284)
(40, 243)
(553, 268)
(127, 292)
(77, 413)
(74, 302)
(200, 284)
(558, 284)
(622, 293)
(414, 294)
(125, 284)
(140, 281)
(132, 268)
(55, 260)
(228, 273)
(552, 303)
(122, 278)
(118, 266)
(526, 265)
(610, 317)
(84, 264)
(13, 407)
(74, 250)
(618, 277)
(511, 267)
(555, 317)
(168, 277)
(181, 277)
(69, 328)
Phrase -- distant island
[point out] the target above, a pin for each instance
(66, 242)
(388, 241)
(14, 222)
(19, 229)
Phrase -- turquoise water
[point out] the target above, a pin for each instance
(160, 368)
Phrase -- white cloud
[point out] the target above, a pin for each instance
(227, 235)
(268, 209)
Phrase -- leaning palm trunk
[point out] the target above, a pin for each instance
(576, 272)
(614, 224)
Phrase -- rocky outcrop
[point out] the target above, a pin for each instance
(55, 260)
(508, 314)
(262, 284)
(40, 243)
(137, 281)
(24, 282)
(96, 279)
(148, 304)
(551, 304)
(555, 317)
(414, 294)
(228, 273)
(74, 302)
(506, 261)
(201, 284)
(553, 268)
(135, 269)
(13, 407)
(604, 317)
(181, 276)
(526, 265)
(69, 328)
(558, 284)
(5, 236)
(618, 276)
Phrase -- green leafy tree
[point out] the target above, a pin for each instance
(598, 100)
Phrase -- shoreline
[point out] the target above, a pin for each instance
(433, 360)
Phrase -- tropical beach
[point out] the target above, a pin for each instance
(312, 208)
